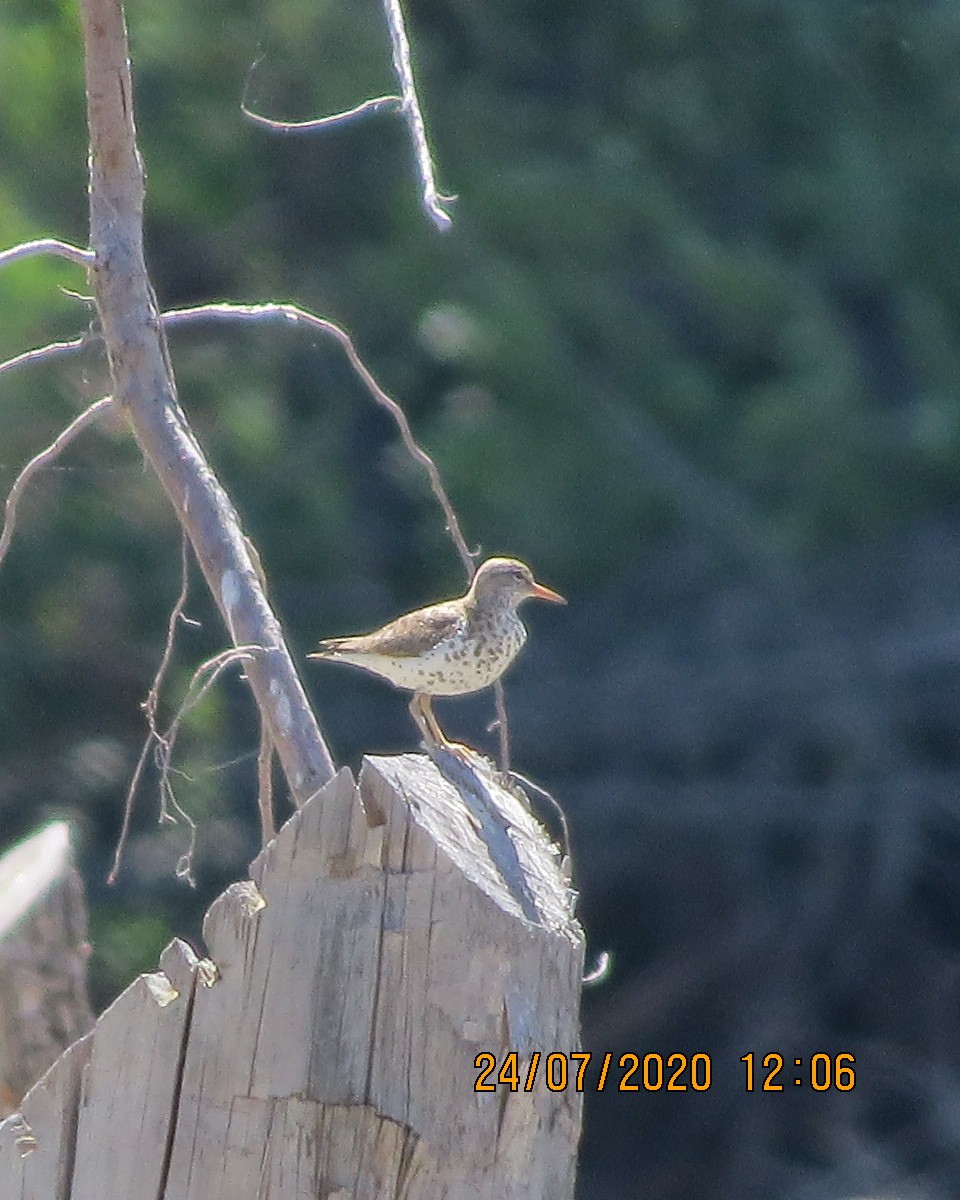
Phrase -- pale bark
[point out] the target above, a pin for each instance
(144, 389)
(43, 960)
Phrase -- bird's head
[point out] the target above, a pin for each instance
(507, 581)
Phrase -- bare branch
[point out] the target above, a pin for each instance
(366, 109)
(74, 254)
(43, 459)
(407, 104)
(432, 199)
(291, 314)
(128, 810)
(144, 388)
(42, 353)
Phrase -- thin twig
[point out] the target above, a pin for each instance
(83, 258)
(291, 314)
(43, 459)
(42, 353)
(212, 668)
(407, 104)
(503, 729)
(128, 811)
(165, 743)
(149, 707)
(551, 802)
(400, 44)
(366, 109)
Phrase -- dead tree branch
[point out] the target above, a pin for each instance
(433, 201)
(44, 353)
(367, 109)
(43, 459)
(144, 389)
(74, 254)
(291, 314)
(407, 104)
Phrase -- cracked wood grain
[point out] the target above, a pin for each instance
(327, 1047)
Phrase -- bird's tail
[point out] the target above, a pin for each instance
(331, 647)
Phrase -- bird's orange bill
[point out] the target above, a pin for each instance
(540, 592)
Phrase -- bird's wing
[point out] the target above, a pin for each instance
(407, 636)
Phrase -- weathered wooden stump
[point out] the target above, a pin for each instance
(392, 931)
(43, 960)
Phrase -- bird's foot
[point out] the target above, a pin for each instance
(455, 749)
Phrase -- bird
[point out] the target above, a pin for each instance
(452, 648)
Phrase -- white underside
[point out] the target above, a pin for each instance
(449, 669)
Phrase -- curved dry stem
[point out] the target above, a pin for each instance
(407, 104)
(198, 687)
(149, 707)
(43, 459)
(43, 353)
(292, 314)
(367, 109)
(170, 807)
(600, 969)
(74, 254)
(549, 800)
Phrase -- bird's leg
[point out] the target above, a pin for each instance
(422, 713)
(434, 725)
(421, 709)
(438, 746)
(418, 716)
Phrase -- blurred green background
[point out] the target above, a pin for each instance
(691, 350)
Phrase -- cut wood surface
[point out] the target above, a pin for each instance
(393, 930)
(43, 959)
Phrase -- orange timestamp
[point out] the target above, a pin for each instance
(617, 1073)
(656, 1072)
(773, 1071)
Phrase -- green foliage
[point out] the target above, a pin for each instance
(124, 944)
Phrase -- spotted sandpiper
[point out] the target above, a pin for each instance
(452, 648)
